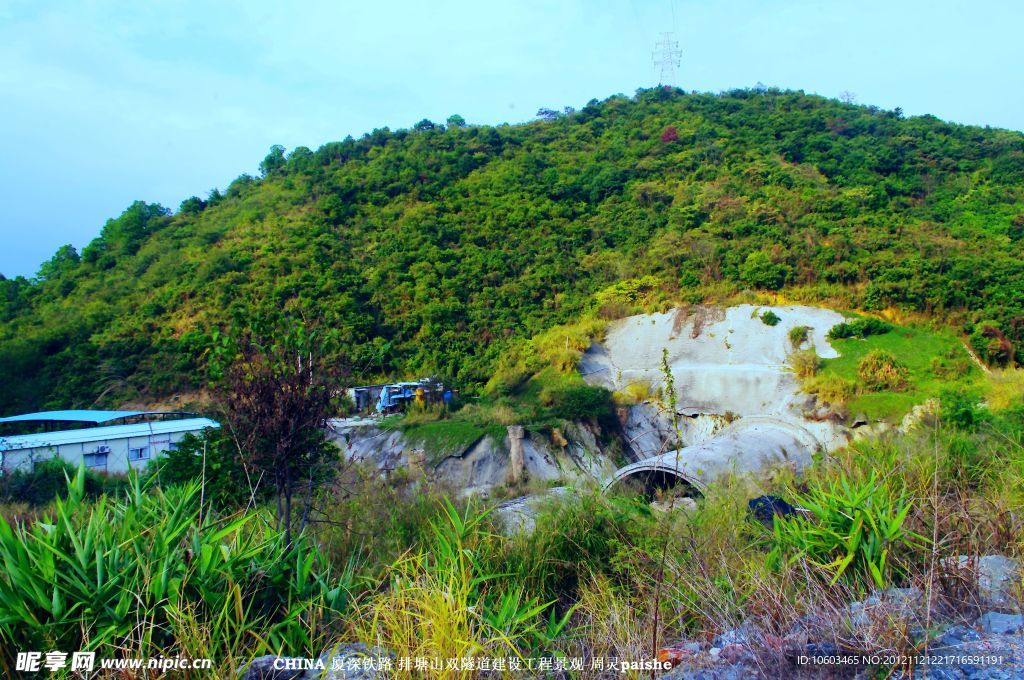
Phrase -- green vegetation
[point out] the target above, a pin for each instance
(805, 363)
(880, 371)
(860, 328)
(927, 363)
(855, 526)
(421, 576)
(442, 249)
(832, 389)
(443, 438)
(770, 318)
(47, 480)
(148, 572)
(213, 458)
(798, 335)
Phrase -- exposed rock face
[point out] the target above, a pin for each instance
(486, 463)
(742, 411)
(723, 361)
(519, 514)
(483, 466)
(648, 431)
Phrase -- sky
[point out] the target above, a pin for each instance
(104, 102)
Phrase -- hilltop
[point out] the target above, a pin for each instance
(442, 248)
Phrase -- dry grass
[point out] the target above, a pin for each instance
(1005, 388)
(805, 363)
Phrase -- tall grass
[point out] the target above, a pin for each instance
(441, 603)
(145, 574)
(856, 529)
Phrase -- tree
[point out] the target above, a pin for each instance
(192, 205)
(760, 271)
(273, 161)
(64, 260)
(456, 121)
(277, 379)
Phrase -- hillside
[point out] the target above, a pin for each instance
(437, 249)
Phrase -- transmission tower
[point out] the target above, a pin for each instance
(667, 56)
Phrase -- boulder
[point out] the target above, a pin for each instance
(1002, 624)
(999, 581)
(904, 603)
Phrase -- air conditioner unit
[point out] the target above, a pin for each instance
(102, 449)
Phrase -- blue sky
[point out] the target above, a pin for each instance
(106, 102)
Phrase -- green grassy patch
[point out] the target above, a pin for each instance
(936, 360)
(443, 438)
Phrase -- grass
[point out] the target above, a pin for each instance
(451, 437)
(145, 575)
(393, 563)
(935, 361)
(422, 576)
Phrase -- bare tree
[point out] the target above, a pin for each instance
(277, 379)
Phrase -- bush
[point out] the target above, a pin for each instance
(770, 318)
(992, 344)
(147, 573)
(805, 363)
(962, 410)
(880, 370)
(580, 402)
(832, 389)
(226, 484)
(861, 328)
(48, 480)
(798, 335)
(592, 533)
(759, 270)
(856, 529)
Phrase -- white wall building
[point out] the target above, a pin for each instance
(111, 449)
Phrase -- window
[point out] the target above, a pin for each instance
(96, 459)
(140, 453)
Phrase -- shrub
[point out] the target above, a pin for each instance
(961, 409)
(832, 389)
(992, 344)
(592, 533)
(770, 318)
(148, 572)
(880, 370)
(629, 291)
(860, 328)
(798, 335)
(226, 484)
(805, 363)
(580, 402)
(759, 270)
(856, 530)
(48, 480)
